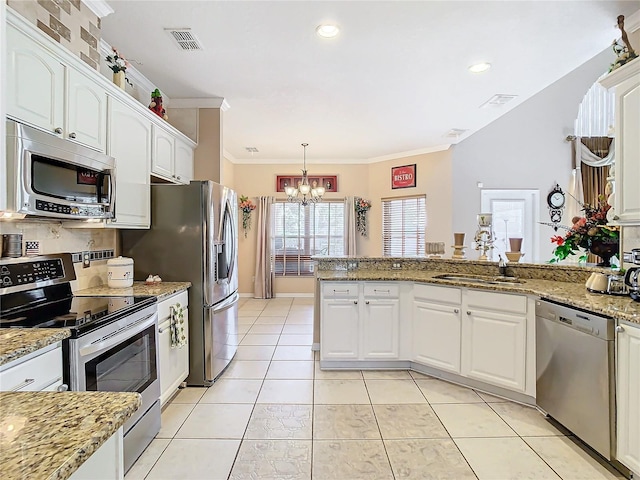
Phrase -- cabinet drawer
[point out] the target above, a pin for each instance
(340, 290)
(33, 375)
(438, 294)
(381, 290)
(163, 307)
(501, 302)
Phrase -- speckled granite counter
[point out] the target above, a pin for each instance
(160, 290)
(18, 342)
(48, 435)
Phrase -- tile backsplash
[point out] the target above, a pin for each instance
(54, 238)
(630, 239)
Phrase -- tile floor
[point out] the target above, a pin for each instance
(275, 415)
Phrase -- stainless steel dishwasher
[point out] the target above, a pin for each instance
(575, 372)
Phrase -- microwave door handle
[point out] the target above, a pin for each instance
(112, 194)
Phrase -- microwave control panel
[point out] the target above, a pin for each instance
(79, 210)
(31, 272)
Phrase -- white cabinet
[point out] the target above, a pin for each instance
(340, 322)
(130, 136)
(436, 327)
(380, 322)
(106, 463)
(494, 329)
(173, 359)
(38, 93)
(172, 158)
(628, 395)
(184, 162)
(37, 371)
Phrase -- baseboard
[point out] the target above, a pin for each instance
(280, 295)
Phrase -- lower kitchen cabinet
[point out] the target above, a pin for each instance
(340, 329)
(106, 463)
(380, 322)
(628, 396)
(173, 360)
(38, 371)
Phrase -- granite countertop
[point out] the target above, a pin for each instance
(48, 435)
(569, 293)
(18, 342)
(160, 290)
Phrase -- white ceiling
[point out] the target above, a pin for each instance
(395, 80)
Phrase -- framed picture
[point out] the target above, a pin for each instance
(403, 177)
(329, 182)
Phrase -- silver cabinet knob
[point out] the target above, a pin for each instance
(468, 312)
(455, 310)
(367, 302)
(355, 302)
(58, 130)
(72, 135)
(619, 329)
(616, 217)
(179, 178)
(63, 388)
(173, 176)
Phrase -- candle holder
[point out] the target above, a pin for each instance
(458, 247)
(484, 237)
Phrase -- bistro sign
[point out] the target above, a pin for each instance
(403, 177)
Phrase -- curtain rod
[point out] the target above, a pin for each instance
(570, 138)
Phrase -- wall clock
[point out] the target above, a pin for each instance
(556, 201)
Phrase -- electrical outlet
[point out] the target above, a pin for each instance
(352, 265)
(86, 259)
(396, 265)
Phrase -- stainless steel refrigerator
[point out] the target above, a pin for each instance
(194, 237)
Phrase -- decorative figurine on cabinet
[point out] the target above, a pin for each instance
(156, 104)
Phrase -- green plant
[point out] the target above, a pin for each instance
(247, 206)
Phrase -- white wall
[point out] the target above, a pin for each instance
(525, 148)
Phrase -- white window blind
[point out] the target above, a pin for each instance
(300, 232)
(404, 223)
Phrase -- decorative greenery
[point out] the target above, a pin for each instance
(117, 63)
(247, 206)
(362, 206)
(586, 232)
(623, 55)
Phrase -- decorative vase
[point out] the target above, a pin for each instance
(119, 79)
(605, 249)
(515, 243)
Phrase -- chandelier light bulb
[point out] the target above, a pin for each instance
(305, 193)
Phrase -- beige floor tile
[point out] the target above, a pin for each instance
(260, 339)
(278, 311)
(471, 420)
(408, 421)
(271, 320)
(273, 460)
(147, 460)
(344, 422)
(295, 339)
(526, 421)
(300, 301)
(293, 329)
(266, 328)
(300, 319)
(280, 422)
(394, 392)
(189, 395)
(427, 459)
(293, 352)
(233, 390)
(386, 375)
(255, 369)
(172, 419)
(290, 369)
(216, 421)
(287, 391)
(243, 328)
(569, 460)
(340, 392)
(247, 320)
(255, 352)
(336, 374)
(503, 459)
(193, 459)
(420, 376)
(491, 398)
(439, 391)
(350, 459)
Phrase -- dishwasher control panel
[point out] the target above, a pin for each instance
(586, 322)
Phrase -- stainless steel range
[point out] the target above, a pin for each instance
(113, 343)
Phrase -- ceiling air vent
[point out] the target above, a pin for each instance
(455, 132)
(184, 38)
(251, 149)
(498, 100)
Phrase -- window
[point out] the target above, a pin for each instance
(300, 232)
(404, 221)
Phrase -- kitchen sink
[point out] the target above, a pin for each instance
(482, 279)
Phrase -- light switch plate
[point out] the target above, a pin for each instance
(86, 259)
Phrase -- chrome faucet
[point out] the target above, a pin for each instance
(502, 266)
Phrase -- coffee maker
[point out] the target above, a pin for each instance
(632, 277)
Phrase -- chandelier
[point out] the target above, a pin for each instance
(305, 192)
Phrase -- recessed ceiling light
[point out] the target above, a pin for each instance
(479, 67)
(327, 30)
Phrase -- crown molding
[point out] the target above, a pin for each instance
(632, 22)
(226, 154)
(212, 102)
(620, 74)
(100, 7)
(409, 153)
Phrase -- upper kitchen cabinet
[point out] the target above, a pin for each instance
(626, 81)
(172, 158)
(45, 93)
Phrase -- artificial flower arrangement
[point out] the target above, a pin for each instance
(117, 63)
(362, 206)
(247, 206)
(591, 233)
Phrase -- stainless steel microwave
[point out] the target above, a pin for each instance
(49, 176)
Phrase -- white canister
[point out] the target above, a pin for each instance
(120, 272)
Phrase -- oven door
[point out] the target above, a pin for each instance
(119, 357)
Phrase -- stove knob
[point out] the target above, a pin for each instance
(6, 281)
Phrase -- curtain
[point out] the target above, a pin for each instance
(263, 284)
(350, 232)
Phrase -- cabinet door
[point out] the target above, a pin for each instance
(627, 195)
(339, 331)
(173, 362)
(436, 335)
(494, 348)
(35, 83)
(380, 328)
(163, 153)
(86, 111)
(183, 162)
(130, 145)
(628, 397)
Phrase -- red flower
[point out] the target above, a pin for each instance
(558, 240)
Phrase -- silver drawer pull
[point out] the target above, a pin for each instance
(341, 291)
(27, 382)
(381, 291)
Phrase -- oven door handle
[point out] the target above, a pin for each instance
(113, 339)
